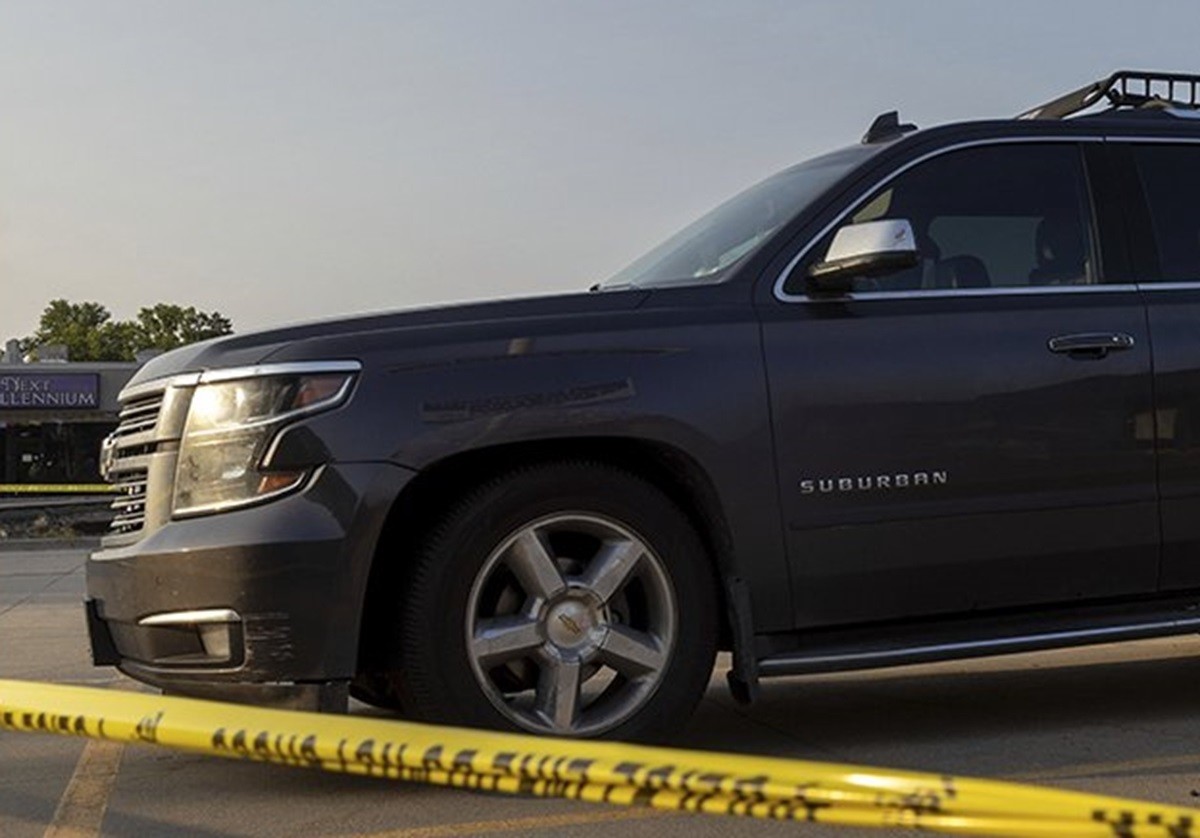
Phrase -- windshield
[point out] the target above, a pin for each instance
(705, 250)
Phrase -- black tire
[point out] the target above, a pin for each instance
(436, 681)
(378, 689)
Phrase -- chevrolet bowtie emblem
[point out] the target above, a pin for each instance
(571, 625)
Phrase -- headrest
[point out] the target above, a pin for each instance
(1060, 240)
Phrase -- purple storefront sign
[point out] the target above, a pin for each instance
(37, 391)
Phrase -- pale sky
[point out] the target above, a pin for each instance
(284, 160)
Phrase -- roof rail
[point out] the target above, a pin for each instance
(1124, 89)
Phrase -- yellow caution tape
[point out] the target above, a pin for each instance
(600, 772)
(57, 488)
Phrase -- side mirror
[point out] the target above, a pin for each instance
(872, 248)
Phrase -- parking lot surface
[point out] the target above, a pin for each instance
(1119, 720)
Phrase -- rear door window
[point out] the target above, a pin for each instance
(1170, 176)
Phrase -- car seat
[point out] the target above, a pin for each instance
(1061, 252)
(963, 272)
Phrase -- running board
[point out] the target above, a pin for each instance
(894, 649)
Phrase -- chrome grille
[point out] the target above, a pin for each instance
(132, 443)
(131, 505)
(137, 418)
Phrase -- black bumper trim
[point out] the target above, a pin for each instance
(104, 649)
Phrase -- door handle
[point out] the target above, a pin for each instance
(1091, 344)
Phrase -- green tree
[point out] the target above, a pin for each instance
(166, 326)
(86, 329)
(90, 334)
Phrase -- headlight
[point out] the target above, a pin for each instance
(229, 426)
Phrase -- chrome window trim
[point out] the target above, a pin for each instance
(1117, 138)
(785, 297)
(1169, 286)
(193, 379)
(943, 293)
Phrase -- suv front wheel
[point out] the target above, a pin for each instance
(571, 599)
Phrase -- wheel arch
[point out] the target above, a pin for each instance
(673, 471)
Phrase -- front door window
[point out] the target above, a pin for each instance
(997, 216)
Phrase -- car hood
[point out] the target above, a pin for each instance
(256, 347)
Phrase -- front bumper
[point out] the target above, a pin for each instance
(260, 604)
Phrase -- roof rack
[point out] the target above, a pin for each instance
(1125, 89)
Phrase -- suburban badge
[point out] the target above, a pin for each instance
(872, 483)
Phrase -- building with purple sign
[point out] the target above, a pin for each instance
(53, 416)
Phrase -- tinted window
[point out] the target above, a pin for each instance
(1171, 178)
(996, 216)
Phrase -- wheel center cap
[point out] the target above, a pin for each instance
(569, 624)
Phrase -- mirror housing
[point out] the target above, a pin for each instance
(872, 248)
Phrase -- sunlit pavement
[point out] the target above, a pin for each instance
(1117, 719)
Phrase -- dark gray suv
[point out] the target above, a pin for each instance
(929, 396)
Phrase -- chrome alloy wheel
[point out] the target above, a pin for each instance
(570, 625)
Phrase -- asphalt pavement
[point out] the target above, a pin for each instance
(1120, 719)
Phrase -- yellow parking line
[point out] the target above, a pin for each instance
(454, 830)
(81, 809)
